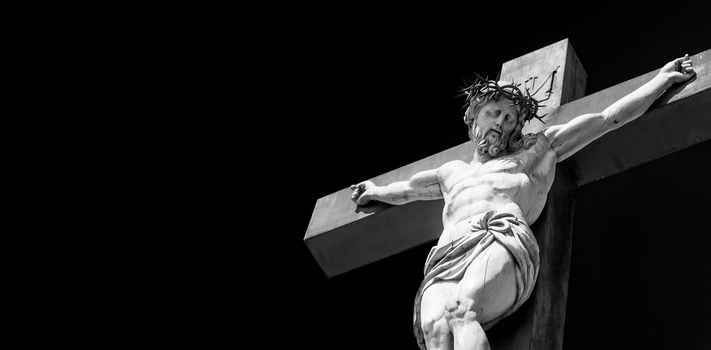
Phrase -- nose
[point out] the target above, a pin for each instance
(499, 116)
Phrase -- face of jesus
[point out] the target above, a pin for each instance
(494, 125)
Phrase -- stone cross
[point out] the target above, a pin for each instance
(342, 236)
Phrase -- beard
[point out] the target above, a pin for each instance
(490, 142)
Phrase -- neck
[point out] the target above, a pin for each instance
(479, 158)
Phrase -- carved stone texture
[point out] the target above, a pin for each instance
(659, 132)
(342, 236)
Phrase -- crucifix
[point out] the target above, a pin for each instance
(343, 236)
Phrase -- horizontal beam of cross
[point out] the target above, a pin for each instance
(680, 118)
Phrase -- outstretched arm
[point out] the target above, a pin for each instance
(568, 138)
(422, 186)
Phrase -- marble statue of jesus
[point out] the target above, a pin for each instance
(486, 262)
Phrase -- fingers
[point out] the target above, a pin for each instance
(357, 191)
(687, 67)
(361, 198)
(684, 65)
(360, 193)
(682, 59)
(682, 62)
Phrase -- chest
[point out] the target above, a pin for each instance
(501, 173)
(517, 171)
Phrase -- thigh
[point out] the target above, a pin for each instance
(434, 299)
(489, 282)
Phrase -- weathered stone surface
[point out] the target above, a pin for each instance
(570, 80)
(539, 324)
(554, 231)
(647, 138)
(680, 118)
(342, 236)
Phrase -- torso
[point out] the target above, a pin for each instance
(517, 183)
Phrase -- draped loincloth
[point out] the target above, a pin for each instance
(450, 262)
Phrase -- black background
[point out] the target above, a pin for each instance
(355, 93)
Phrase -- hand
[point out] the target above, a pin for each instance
(678, 70)
(363, 192)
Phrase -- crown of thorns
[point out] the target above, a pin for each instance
(484, 90)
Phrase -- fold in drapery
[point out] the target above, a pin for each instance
(450, 262)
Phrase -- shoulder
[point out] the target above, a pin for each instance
(537, 153)
(545, 156)
(540, 142)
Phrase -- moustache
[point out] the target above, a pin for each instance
(490, 141)
(494, 128)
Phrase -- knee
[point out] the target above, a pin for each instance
(462, 308)
(434, 328)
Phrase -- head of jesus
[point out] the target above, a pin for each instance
(494, 127)
(495, 114)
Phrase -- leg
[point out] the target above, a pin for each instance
(434, 325)
(470, 336)
(487, 290)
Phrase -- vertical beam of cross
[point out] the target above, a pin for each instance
(343, 237)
